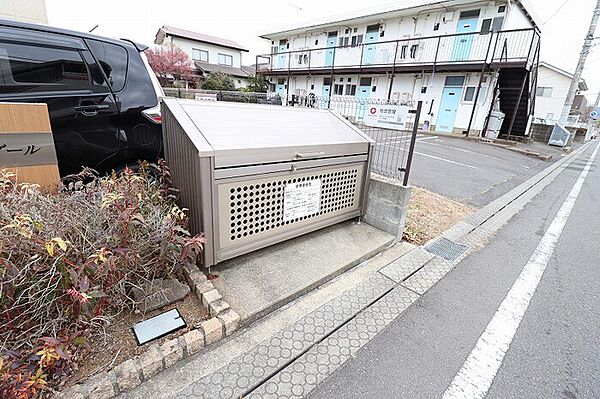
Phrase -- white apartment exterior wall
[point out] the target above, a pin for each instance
(24, 10)
(407, 87)
(213, 50)
(406, 26)
(550, 106)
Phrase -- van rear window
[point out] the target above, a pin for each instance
(113, 60)
(33, 69)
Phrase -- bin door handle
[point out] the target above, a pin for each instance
(309, 154)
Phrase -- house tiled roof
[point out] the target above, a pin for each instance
(210, 68)
(199, 37)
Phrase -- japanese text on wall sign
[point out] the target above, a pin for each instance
(26, 149)
(387, 116)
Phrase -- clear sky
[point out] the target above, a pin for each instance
(565, 23)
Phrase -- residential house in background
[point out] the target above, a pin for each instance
(462, 58)
(552, 87)
(209, 53)
(33, 11)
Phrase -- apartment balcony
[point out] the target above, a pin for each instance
(456, 52)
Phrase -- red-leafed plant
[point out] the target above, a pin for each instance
(68, 262)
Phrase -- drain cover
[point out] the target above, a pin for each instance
(447, 249)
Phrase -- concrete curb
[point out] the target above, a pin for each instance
(132, 372)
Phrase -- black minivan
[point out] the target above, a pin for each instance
(102, 96)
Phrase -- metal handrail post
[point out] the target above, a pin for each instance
(411, 148)
(393, 73)
(479, 87)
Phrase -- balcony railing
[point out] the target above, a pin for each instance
(510, 46)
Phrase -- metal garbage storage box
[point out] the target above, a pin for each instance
(254, 175)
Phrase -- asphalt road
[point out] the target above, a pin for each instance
(555, 352)
(470, 172)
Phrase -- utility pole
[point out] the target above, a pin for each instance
(587, 45)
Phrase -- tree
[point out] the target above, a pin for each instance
(257, 84)
(218, 81)
(170, 62)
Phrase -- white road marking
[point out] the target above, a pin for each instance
(525, 166)
(467, 151)
(427, 138)
(446, 160)
(475, 377)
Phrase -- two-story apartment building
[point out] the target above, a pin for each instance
(552, 88)
(462, 58)
(209, 53)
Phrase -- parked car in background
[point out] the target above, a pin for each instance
(103, 99)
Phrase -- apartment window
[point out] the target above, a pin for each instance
(349, 79)
(274, 50)
(302, 59)
(403, 51)
(326, 81)
(436, 26)
(338, 89)
(423, 89)
(486, 26)
(317, 42)
(341, 79)
(501, 9)
(199, 55)
(544, 91)
(347, 31)
(343, 41)
(469, 94)
(350, 90)
(225, 59)
(356, 40)
(365, 81)
(413, 50)
(454, 81)
(312, 86)
(497, 24)
(374, 89)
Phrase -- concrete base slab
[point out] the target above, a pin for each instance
(260, 282)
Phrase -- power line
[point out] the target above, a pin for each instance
(555, 12)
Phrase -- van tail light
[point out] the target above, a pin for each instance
(153, 114)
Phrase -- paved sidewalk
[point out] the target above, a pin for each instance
(287, 357)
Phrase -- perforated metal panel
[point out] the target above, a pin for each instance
(250, 210)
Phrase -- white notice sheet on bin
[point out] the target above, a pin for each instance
(301, 199)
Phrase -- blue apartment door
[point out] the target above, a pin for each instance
(370, 44)
(449, 103)
(282, 57)
(331, 43)
(364, 92)
(280, 90)
(467, 23)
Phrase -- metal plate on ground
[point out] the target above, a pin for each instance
(158, 326)
(446, 249)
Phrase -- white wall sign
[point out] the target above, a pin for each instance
(206, 96)
(301, 199)
(387, 116)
